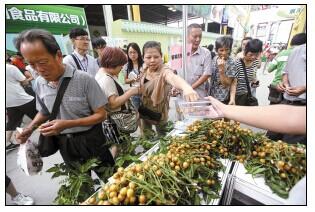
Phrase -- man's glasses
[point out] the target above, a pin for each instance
(83, 38)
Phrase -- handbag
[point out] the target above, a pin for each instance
(249, 100)
(274, 95)
(47, 145)
(146, 113)
(125, 119)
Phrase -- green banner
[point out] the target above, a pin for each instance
(58, 19)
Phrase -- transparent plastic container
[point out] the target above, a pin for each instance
(193, 110)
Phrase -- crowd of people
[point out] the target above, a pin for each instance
(93, 92)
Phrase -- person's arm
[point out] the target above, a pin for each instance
(225, 80)
(128, 81)
(285, 82)
(27, 131)
(207, 71)
(200, 81)
(233, 91)
(54, 127)
(28, 75)
(28, 79)
(115, 101)
(277, 118)
(273, 65)
(295, 91)
(179, 83)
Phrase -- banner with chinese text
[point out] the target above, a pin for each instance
(58, 19)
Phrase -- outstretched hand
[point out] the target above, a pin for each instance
(190, 95)
(217, 108)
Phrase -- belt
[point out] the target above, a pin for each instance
(300, 102)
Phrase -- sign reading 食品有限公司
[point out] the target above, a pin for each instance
(58, 19)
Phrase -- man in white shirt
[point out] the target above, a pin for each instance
(79, 59)
(18, 103)
(199, 66)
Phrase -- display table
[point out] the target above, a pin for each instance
(223, 174)
(254, 188)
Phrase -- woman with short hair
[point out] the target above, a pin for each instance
(112, 61)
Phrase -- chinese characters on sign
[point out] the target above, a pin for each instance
(42, 16)
(176, 56)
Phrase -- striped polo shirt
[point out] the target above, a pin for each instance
(82, 96)
(251, 75)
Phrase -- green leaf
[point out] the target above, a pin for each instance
(56, 174)
(127, 158)
(53, 169)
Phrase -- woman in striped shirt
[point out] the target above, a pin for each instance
(251, 59)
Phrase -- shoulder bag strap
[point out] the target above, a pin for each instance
(247, 83)
(76, 61)
(60, 93)
(120, 91)
(58, 99)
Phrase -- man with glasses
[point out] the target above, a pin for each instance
(79, 59)
(98, 45)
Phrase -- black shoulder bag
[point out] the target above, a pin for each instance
(248, 100)
(47, 145)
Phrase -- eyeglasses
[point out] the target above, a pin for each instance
(82, 38)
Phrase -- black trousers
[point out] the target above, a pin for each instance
(15, 114)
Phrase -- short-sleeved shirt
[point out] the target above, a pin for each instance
(87, 63)
(278, 64)
(134, 73)
(217, 90)
(108, 87)
(241, 87)
(82, 96)
(296, 70)
(15, 93)
(199, 64)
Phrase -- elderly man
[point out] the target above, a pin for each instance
(199, 66)
(76, 130)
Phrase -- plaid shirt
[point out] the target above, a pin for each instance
(216, 88)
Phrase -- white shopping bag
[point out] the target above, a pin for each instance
(29, 159)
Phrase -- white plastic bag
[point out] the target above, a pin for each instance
(29, 159)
